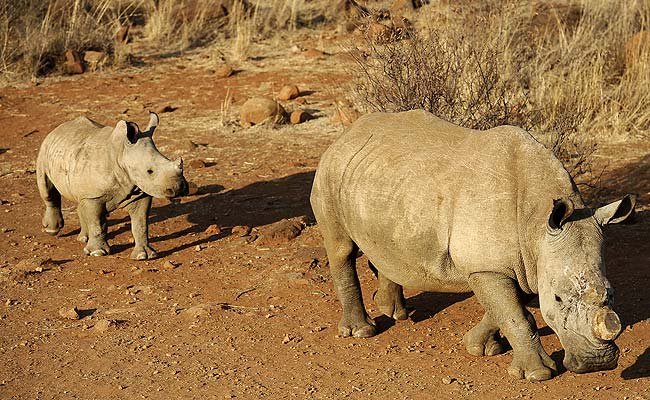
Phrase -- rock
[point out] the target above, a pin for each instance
(192, 188)
(447, 380)
(313, 53)
(240, 230)
(345, 116)
(169, 265)
(637, 49)
(73, 63)
(69, 313)
(198, 310)
(280, 232)
(196, 163)
(189, 145)
(289, 92)
(122, 34)
(95, 59)
(223, 72)
(259, 110)
(32, 265)
(103, 325)
(213, 230)
(164, 109)
(299, 116)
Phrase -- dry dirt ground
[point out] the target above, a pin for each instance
(220, 315)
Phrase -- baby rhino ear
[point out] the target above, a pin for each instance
(616, 212)
(127, 130)
(153, 123)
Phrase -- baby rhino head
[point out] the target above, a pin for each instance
(149, 170)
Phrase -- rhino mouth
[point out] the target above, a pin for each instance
(181, 190)
(604, 357)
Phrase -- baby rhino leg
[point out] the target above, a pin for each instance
(483, 339)
(389, 297)
(93, 214)
(52, 218)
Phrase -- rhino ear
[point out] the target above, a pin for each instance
(616, 212)
(562, 209)
(128, 130)
(153, 123)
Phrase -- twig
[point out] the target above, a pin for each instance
(30, 133)
(243, 292)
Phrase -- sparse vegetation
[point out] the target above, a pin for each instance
(555, 69)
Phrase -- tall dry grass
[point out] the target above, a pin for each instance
(557, 69)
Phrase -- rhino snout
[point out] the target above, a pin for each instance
(605, 358)
(182, 189)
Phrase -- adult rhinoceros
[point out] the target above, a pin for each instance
(442, 208)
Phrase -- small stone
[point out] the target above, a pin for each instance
(299, 116)
(73, 63)
(240, 230)
(313, 53)
(223, 72)
(196, 163)
(192, 188)
(189, 145)
(447, 380)
(69, 313)
(95, 59)
(286, 339)
(281, 232)
(289, 92)
(259, 110)
(168, 265)
(103, 325)
(198, 247)
(122, 34)
(213, 230)
(164, 109)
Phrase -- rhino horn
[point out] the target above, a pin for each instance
(153, 122)
(606, 325)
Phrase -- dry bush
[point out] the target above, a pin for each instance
(559, 75)
(35, 34)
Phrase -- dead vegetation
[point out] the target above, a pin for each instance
(557, 69)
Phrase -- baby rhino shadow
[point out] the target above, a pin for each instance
(640, 368)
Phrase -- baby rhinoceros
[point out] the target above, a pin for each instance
(441, 208)
(104, 168)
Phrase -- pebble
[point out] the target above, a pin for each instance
(447, 380)
(299, 116)
(213, 230)
(196, 163)
(289, 92)
(241, 230)
(223, 72)
(69, 313)
(103, 325)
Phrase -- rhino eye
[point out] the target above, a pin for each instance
(558, 298)
(150, 171)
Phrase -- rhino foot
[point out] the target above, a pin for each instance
(532, 366)
(52, 221)
(82, 237)
(391, 305)
(484, 339)
(97, 250)
(143, 253)
(360, 329)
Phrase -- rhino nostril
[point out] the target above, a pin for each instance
(169, 192)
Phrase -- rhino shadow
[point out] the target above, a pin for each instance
(259, 203)
(427, 304)
(640, 368)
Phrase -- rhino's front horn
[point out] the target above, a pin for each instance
(606, 325)
(179, 163)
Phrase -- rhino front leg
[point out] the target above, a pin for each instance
(483, 339)
(93, 214)
(341, 253)
(52, 217)
(139, 213)
(499, 296)
(389, 297)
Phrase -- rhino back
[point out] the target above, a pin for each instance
(78, 159)
(430, 202)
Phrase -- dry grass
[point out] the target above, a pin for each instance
(557, 69)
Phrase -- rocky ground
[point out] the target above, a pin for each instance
(240, 303)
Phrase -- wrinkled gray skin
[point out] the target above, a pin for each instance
(104, 168)
(441, 208)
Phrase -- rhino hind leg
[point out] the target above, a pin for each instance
(484, 339)
(52, 217)
(94, 215)
(83, 229)
(389, 297)
(341, 253)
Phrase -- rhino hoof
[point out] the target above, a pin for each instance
(359, 330)
(98, 253)
(52, 232)
(146, 253)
